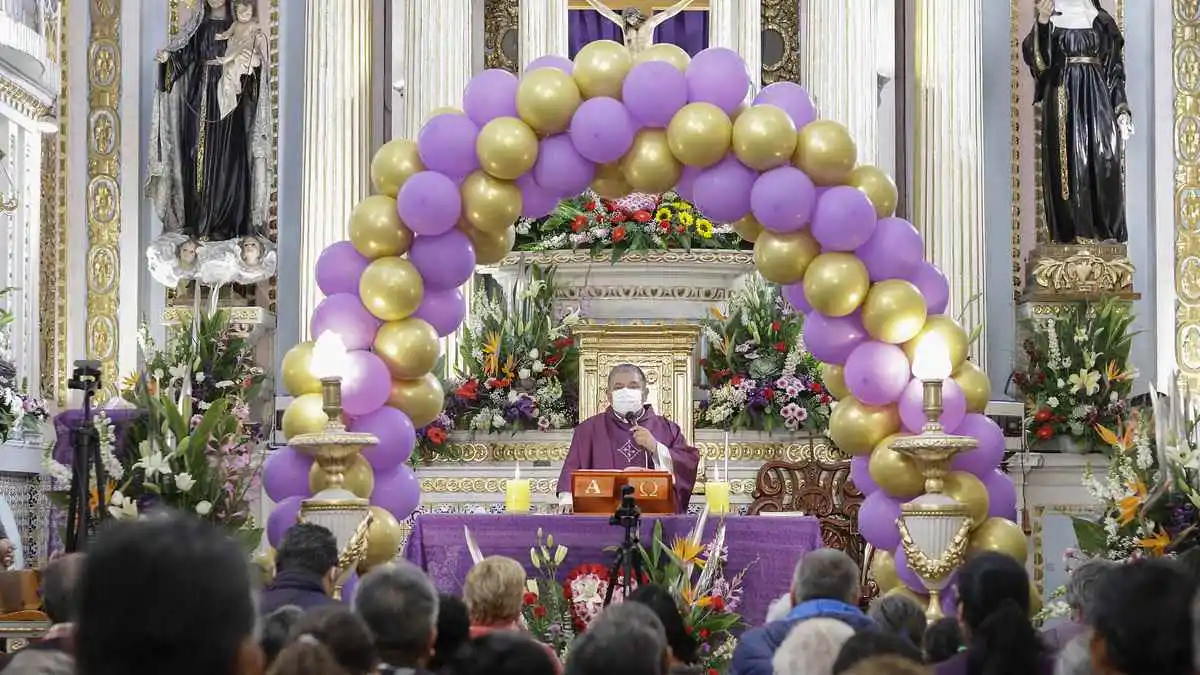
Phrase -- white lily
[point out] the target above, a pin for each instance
(203, 508)
(184, 482)
(153, 464)
(122, 507)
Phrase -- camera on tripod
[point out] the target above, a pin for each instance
(85, 378)
(627, 515)
(85, 460)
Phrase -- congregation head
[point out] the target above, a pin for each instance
(1082, 587)
(277, 631)
(994, 609)
(343, 633)
(453, 630)
(901, 616)
(60, 582)
(494, 591)
(681, 643)
(627, 638)
(826, 574)
(1143, 622)
(506, 653)
(400, 606)
(871, 643)
(310, 549)
(812, 647)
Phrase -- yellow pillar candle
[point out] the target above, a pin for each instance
(518, 496)
(716, 494)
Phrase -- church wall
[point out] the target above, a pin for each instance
(291, 131)
(153, 27)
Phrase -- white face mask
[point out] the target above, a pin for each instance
(625, 401)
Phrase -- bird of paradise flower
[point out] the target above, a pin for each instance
(491, 351)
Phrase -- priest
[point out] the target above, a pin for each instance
(628, 435)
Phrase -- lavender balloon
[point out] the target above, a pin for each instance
(912, 410)
(429, 203)
(783, 199)
(877, 520)
(722, 191)
(653, 92)
(398, 492)
(444, 310)
(366, 384)
(602, 130)
(794, 294)
(877, 373)
(551, 61)
(1002, 496)
(843, 220)
(536, 201)
(687, 183)
(285, 514)
(792, 98)
(446, 144)
(339, 268)
(350, 587)
(560, 169)
(491, 94)
(345, 315)
(718, 76)
(445, 261)
(933, 286)
(285, 474)
(990, 451)
(893, 251)
(831, 339)
(397, 437)
(861, 476)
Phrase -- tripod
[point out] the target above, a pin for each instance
(627, 562)
(85, 454)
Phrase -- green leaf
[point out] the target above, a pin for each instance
(1090, 536)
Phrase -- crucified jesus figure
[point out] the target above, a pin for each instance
(638, 28)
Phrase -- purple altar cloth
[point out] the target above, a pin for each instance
(69, 420)
(771, 546)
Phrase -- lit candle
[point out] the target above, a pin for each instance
(716, 494)
(517, 494)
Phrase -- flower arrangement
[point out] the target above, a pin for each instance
(638, 222)
(547, 611)
(20, 412)
(433, 439)
(1077, 376)
(521, 364)
(760, 376)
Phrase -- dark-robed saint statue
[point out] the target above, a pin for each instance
(1077, 55)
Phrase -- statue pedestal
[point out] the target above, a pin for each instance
(1073, 272)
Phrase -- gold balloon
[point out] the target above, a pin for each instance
(547, 99)
(894, 311)
(835, 284)
(395, 162)
(265, 562)
(834, 378)
(1000, 535)
(391, 288)
(700, 134)
(883, 569)
(443, 110)
(856, 428)
(384, 537)
(878, 186)
(949, 335)
(610, 182)
(975, 384)
(304, 415)
(490, 247)
(420, 399)
(784, 258)
(895, 473)
(764, 137)
(359, 478)
(376, 229)
(664, 51)
(649, 165)
(748, 227)
(491, 204)
(298, 379)
(409, 347)
(826, 152)
(507, 147)
(969, 491)
(601, 67)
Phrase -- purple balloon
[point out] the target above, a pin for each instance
(893, 251)
(722, 191)
(933, 286)
(429, 203)
(444, 310)
(843, 220)
(560, 168)
(536, 201)
(950, 599)
(653, 92)
(551, 61)
(861, 476)
(367, 383)
(831, 339)
(987, 456)
(912, 411)
(396, 434)
(345, 315)
(445, 261)
(877, 373)
(794, 294)
(398, 492)
(285, 474)
(792, 98)
(446, 144)
(686, 187)
(718, 76)
(350, 587)
(285, 514)
(339, 268)
(782, 199)
(602, 130)
(877, 520)
(1002, 496)
(491, 94)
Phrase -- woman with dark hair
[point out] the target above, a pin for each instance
(453, 631)
(683, 647)
(943, 639)
(993, 608)
(1143, 621)
(343, 633)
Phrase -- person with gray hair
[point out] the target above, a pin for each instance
(900, 616)
(627, 638)
(1081, 590)
(400, 606)
(811, 648)
(825, 586)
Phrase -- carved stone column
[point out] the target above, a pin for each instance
(837, 65)
(737, 25)
(437, 57)
(543, 29)
(337, 132)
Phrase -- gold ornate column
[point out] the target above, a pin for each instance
(1186, 42)
(52, 301)
(837, 66)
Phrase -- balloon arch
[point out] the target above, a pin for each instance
(822, 228)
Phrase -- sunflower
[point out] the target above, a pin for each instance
(681, 206)
(663, 213)
(686, 219)
(491, 350)
(704, 228)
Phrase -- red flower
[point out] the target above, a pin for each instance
(530, 598)
(769, 394)
(718, 603)
(1045, 432)
(618, 217)
(564, 342)
(579, 223)
(642, 216)
(825, 399)
(590, 205)
(247, 383)
(436, 435)
(664, 225)
(539, 611)
(689, 630)
(737, 379)
(680, 228)
(1043, 415)
(817, 388)
(618, 233)
(553, 359)
(469, 390)
(781, 346)
(498, 383)
(712, 671)
(776, 326)
(703, 633)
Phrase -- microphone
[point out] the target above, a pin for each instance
(631, 417)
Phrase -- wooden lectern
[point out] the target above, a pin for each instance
(599, 491)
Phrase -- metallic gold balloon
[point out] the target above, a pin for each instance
(700, 134)
(304, 415)
(878, 186)
(298, 379)
(610, 182)
(376, 229)
(835, 284)
(265, 562)
(883, 569)
(421, 399)
(547, 98)
(748, 227)
(951, 335)
(507, 147)
(826, 152)
(894, 311)
(895, 473)
(394, 162)
(601, 67)
(409, 347)
(783, 258)
(491, 204)
(359, 478)
(665, 51)
(969, 491)
(834, 378)
(443, 110)
(384, 536)
(649, 165)
(764, 137)
(1000, 535)
(857, 428)
(975, 384)
(490, 247)
(391, 288)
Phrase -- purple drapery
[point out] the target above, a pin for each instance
(686, 29)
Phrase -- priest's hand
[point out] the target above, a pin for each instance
(645, 439)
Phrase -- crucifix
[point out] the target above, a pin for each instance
(637, 20)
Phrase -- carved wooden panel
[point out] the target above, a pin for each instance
(501, 39)
(780, 41)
